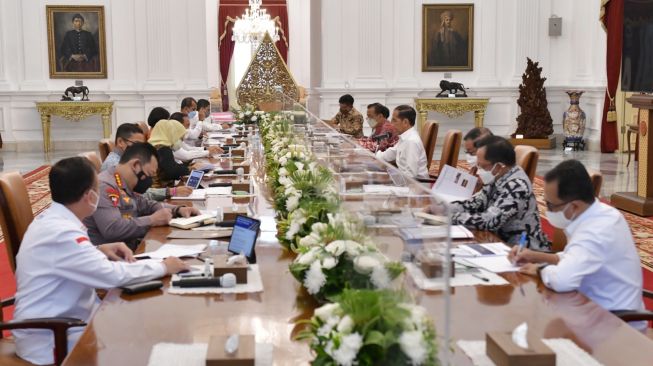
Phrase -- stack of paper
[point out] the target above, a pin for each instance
(174, 250)
(190, 222)
(200, 194)
(379, 188)
(492, 263)
(435, 232)
(485, 249)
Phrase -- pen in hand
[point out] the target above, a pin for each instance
(522, 244)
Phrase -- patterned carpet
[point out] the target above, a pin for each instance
(39, 195)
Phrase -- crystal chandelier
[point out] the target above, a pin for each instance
(251, 27)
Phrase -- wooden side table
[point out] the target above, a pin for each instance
(72, 111)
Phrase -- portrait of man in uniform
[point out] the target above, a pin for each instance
(76, 42)
(448, 37)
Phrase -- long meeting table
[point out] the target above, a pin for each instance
(125, 328)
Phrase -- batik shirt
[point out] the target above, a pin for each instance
(506, 207)
(350, 123)
(382, 145)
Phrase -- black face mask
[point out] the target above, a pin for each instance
(143, 184)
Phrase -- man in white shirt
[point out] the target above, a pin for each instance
(204, 117)
(57, 267)
(600, 259)
(408, 153)
(186, 151)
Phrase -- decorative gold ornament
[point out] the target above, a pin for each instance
(266, 73)
(452, 108)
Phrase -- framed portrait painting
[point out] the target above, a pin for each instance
(76, 42)
(447, 37)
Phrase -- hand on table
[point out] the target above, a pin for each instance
(117, 252)
(188, 211)
(175, 265)
(226, 126)
(524, 256)
(214, 150)
(161, 217)
(529, 269)
(183, 191)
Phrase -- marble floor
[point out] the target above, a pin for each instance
(617, 177)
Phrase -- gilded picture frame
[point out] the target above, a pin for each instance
(447, 37)
(76, 42)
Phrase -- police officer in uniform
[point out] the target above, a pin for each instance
(123, 214)
(79, 50)
(58, 269)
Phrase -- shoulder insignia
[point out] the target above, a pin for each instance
(81, 239)
(111, 190)
(115, 199)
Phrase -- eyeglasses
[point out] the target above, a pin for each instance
(552, 206)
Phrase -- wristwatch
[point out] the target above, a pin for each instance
(175, 211)
(540, 267)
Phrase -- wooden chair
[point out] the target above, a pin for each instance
(527, 157)
(15, 213)
(105, 146)
(93, 158)
(450, 149)
(559, 238)
(632, 130)
(635, 316)
(146, 129)
(429, 138)
(15, 216)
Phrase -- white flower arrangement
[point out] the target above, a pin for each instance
(343, 263)
(365, 327)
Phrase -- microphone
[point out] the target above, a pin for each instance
(227, 280)
(380, 137)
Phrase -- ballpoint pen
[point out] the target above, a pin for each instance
(480, 277)
(522, 243)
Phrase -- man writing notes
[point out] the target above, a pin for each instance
(348, 120)
(123, 214)
(600, 259)
(57, 267)
(408, 153)
(506, 204)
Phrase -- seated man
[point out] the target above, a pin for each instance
(348, 120)
(58, 269)
(204, 117)
(506, 204)
(470, 138)
(408, 153)
(384, 135)
(189, 109)
(122, 214)
(600, 259)
(126, 135)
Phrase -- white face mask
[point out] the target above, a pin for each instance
(372, 122)
(97, 201)
(486, 175)
(558, 219)
(192, 115)
(471, 159)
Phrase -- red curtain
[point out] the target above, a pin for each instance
(613, 21)
(227, 12)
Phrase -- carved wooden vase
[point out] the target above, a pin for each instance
(574, 118)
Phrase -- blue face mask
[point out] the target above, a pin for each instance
(192, 114)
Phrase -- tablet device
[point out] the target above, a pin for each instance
(243, 237)
(195, 179)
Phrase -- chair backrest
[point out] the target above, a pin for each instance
(146, 129)
(105, 146)
(527, 157)
(15, 212)
(93, 158)
(559, 238)
(451, 148)
(270, 106)
(429, 138)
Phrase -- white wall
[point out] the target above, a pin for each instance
(372, 50)
(158, 51)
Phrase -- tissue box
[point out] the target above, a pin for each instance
(240, 185)
(221, 267)
(244, 356)
(244, 166)
(504, 352)
(230, 214)
(238, 152)
(434, 267)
